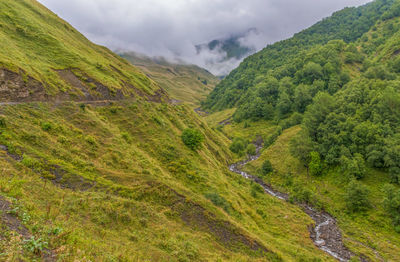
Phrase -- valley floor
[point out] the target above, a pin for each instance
(368, 234)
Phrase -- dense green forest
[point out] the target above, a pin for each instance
(348, 25)
(340, 80)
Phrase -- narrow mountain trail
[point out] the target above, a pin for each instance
(89, 102)
(86, 102)
(326, 235)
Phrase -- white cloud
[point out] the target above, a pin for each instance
(172, 28)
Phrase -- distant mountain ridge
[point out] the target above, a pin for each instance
(232, 45)
(184, 82)
(227, 52)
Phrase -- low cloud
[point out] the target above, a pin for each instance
(172, 28)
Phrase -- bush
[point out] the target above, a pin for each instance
(251, 150)
(355, 167)
(238, 145)
(315, 164)
(35, 246)
(46, 126)
(256, 189)
(391, 203)
(192, 138)
(295, 119)
(2, 122)
(30, 162)
(266, 167)
(273, 137)
(90, 140)
(357, 197)
(219, 201)
(394, 173)
(82, 107)
(126, 137)
(301, 195)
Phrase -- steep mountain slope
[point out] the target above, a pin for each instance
(94, 168)
(40, 50)
(348, 25)
(186, 83)
(330, 120)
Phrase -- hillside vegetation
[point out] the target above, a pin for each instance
(48, 53)
(347, 25)
(116, 175)
(186, 83)
(329, 114)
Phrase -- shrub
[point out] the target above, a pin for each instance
(219, 201)
(36, 246)
(355, 167)
(357, 197)
(266, 167)
(315, 164)
(273, 137)
(391, 203)
(238, 145)
(30, 162)
(394, 173)
(126, 137)
(251, 149)
(293, 120)
(46, 126)
(114, 110)
(90, 140)
(256, 189)
(2, 122)
(82, 107)
(301, 195)
(192, 138)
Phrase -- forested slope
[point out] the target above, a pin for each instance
(330, 118)
(347, 25)
(347, 90)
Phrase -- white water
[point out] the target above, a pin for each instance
(327, 219)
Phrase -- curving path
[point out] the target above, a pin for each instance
(325, 235)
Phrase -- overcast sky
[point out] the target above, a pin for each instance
(172, 28)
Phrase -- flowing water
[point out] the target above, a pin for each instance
(326, 234)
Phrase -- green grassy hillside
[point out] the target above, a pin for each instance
(116, 183)
(186, 83)
(108, 177)
(47, 51)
